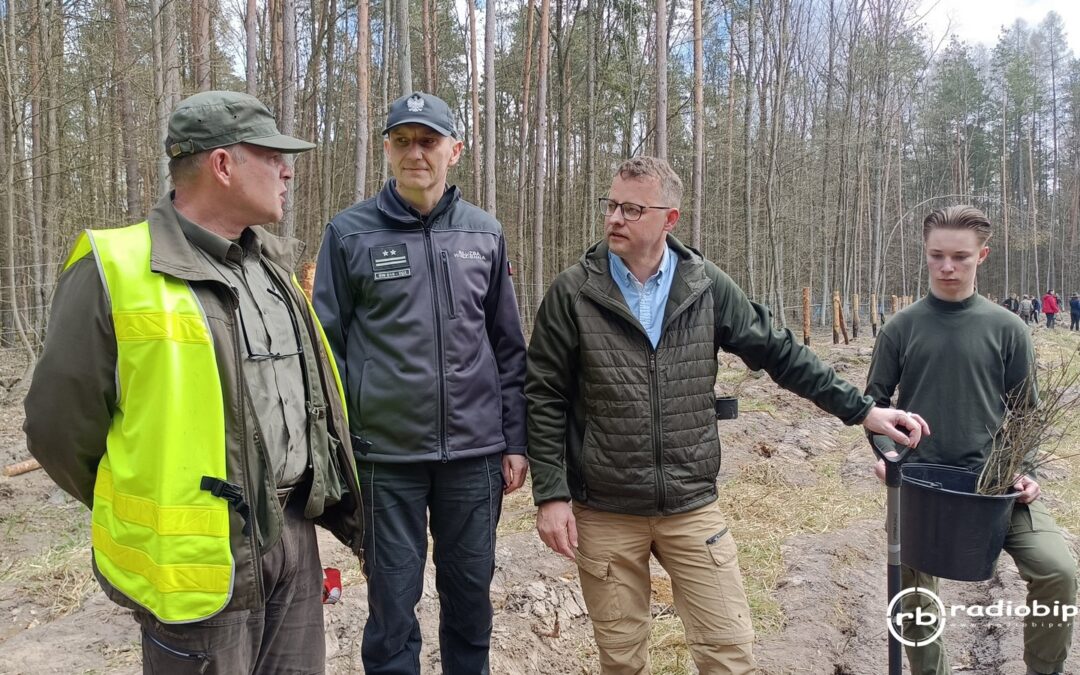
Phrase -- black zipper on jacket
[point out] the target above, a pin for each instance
(450, 300)
(439, 350)
(658, 445)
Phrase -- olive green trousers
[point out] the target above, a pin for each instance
(1047, 565)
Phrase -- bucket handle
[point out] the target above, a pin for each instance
(926, 483)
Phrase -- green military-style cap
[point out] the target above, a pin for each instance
(215, 119)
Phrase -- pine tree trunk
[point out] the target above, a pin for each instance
(429, 54)
(161, 115)
(200, 42)
(489, 107)
(36, 166)
(251, 65)
(126, 106)
(363, 94)
(287, 87)
(13, 156)
(326, 149)
(54, 48)
(748, 158)
(661, 79)
(699, 125)
(1006, 289)
(384, 173)
(591, 199)
(474, 98)
(540, 157)
(404, 51)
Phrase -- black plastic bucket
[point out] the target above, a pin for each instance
(727, 407)
(948, 530)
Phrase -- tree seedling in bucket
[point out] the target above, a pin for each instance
(1036, 418)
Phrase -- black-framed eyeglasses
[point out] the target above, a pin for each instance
(630, 210)
(263, 356)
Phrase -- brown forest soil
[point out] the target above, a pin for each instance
(796, 485)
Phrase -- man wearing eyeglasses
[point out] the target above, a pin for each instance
(413, 287)
(622, 426)
(186, 394)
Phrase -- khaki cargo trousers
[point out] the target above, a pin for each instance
(698, 553)
(1045, 562)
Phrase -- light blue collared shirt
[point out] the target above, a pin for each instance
(646, 301)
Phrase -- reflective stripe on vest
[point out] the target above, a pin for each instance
(158, 537)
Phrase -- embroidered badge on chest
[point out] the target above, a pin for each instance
(390, 262)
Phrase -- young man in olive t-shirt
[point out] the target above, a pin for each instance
(955, 357)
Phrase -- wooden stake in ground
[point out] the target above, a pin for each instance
(854, 315)
(836, 318)
(21, 467)
(895, 305)
(806, 315)
(840, 318)
(873, 314)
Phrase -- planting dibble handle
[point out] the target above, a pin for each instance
(886, 450)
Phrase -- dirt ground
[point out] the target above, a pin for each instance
(796, 485)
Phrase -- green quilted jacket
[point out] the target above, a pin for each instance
(620, 426)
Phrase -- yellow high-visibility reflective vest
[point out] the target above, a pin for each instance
(159, 536)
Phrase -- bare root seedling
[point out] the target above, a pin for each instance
(1037, 417)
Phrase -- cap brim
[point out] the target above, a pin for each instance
(281, 142)
(427, 123)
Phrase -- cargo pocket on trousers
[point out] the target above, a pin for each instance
(599, 588)
(722, 547)
(160, 657)
(733, 625)
(1036, 519)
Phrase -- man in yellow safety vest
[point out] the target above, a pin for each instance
(186, 395)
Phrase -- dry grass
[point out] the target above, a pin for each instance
(518, 511)
(765, 510)
(667, 646)
(757, 406)
(55, 572)
(662, 593)
(1067, 490)
(58, 579)
(122, 657)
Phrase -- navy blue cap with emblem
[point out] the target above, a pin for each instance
(421, 108)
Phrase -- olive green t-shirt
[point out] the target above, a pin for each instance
(954, 364)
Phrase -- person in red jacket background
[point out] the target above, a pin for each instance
(1050, 307)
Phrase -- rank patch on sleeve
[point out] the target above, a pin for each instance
(390, 262)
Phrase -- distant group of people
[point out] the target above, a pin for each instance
(1027, 307)
(210, 416)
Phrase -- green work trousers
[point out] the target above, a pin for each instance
(1045, 562)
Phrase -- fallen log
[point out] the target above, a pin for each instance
(22, 467)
